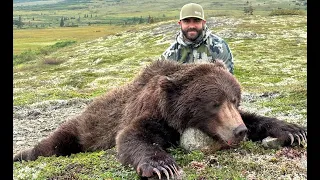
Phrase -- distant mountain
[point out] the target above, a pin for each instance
(30, 3)
(23, 1)
(42, 1)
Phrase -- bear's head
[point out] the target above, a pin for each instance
(206, 97)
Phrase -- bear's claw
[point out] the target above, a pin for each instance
(175, 169)
(146, 170)
(157, 172)
(299, 137)
(167, 167)
(304, 138)
(291, 138)
(165, 170)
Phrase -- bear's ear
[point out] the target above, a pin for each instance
(166, 83)
(220, 63)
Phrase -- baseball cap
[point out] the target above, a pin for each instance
(192, 10)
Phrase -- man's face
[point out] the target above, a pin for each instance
(192, 27)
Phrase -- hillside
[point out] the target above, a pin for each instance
(48, 13)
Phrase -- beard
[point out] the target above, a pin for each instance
(192, 34)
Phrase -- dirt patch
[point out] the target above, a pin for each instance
(33, 122)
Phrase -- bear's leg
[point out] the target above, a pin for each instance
(143, 145)
(63, 141)
(260, 127)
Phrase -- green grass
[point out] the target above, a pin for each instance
(33, 54)
(233, 164)
(103, 16)
(100, 165)
(35, 39)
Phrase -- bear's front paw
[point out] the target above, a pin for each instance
(291, 134)
(26, 155)
(159, 165)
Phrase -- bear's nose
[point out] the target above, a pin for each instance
(240, 131)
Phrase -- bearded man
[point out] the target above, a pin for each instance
(195, 43)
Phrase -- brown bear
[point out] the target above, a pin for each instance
(145, 117)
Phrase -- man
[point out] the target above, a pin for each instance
(195, 42)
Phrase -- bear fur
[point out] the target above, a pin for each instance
(146, 116)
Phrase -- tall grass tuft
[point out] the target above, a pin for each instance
(52, 48)
(279, 12)
(32, 54)
(24, 57)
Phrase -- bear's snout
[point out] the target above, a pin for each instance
(240, 132)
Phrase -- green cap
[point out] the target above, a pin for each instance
(192, 10)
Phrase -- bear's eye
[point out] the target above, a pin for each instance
(212, 107)
(234, 101)
(215, 105)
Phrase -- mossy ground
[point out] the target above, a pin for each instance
(249, 161)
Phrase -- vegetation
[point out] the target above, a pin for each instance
(45, 18)
(279, 12)
(237, 164)
(53, 63)
(34, 54)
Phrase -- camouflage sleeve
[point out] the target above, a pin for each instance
(227, 57)
(164, 55)
(222, 51)
(170, 53)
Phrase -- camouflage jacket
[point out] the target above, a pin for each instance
(207, 48)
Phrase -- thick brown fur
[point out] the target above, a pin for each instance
(146, 116)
